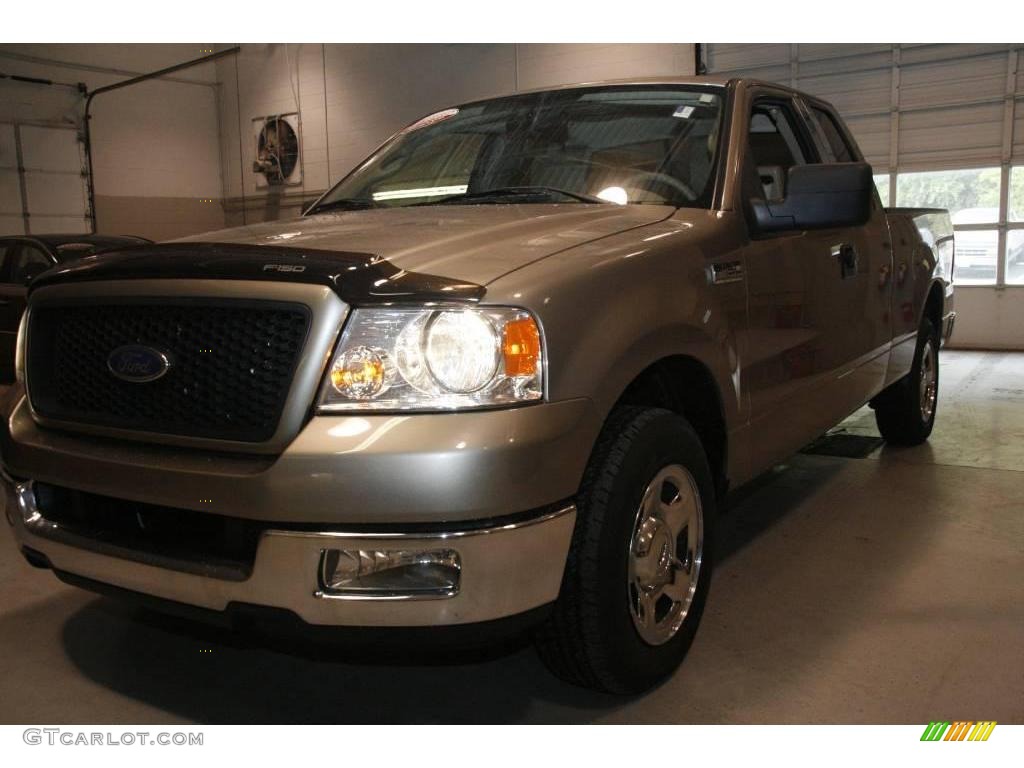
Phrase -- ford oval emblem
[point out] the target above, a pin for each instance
(138, 364)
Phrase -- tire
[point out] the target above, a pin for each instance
(905, 411)
(599, 636)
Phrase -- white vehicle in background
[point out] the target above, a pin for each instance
(976, 250)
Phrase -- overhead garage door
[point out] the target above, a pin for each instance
(942, 125)
(42, 180)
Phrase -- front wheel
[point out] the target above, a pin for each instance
(905, 411)
(639, 569)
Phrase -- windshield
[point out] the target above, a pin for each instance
(625, 145)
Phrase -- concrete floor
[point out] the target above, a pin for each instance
(881, 590)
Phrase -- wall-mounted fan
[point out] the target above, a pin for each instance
(277, 143)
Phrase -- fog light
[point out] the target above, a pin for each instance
(26, 496)
(389, 574)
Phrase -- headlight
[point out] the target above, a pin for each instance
(435, 359)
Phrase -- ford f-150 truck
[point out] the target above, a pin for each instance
(501, 375)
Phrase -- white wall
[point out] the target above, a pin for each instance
(351, 97)
(989, 318)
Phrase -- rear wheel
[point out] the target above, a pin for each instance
(905, 411)
(639, 569)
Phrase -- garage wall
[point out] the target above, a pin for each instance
(156, 154)
(352, 97)
(918, 109)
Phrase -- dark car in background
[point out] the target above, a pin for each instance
(25, 257)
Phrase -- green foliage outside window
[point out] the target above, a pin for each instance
(953, 190)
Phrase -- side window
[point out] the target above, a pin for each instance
(837, 143)
(29, 262)
(775, 147)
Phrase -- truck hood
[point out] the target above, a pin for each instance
(431, 253)
(471, 243)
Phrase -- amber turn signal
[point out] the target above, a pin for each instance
(359, 373)
(521, 347)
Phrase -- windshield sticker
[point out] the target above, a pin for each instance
(437, 117)
(683, 112)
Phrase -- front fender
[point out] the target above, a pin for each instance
(614, 307)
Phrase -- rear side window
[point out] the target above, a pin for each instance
(841, 151)
(5, 248)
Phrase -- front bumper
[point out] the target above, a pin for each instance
(409, 482)
(421, 469)
(506, 569)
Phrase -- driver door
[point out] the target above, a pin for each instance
(795, 352)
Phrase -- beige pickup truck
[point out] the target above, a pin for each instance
(499, 378)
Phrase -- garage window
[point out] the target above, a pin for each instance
(974, 188)
(972, 198)
(1015, 227)
(882, 184)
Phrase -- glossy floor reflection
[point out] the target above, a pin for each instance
(887, 589)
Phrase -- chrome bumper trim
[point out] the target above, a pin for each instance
(506, 570)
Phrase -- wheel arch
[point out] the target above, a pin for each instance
(683, 384)
(933, 304)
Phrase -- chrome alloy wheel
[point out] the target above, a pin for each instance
(929, 384)
(665, 554)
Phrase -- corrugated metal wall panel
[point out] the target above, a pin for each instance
(852, 94)
(728, 57)
(842, 65)
(944, 82)
(830, 51)
(872, 134)
(962, 137)
(918, 53)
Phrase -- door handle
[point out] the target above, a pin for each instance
(846, 254)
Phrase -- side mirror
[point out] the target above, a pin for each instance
(819, 196)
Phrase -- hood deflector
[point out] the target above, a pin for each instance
(358, 278)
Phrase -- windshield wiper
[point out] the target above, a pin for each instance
(345, 204)
(504, 193)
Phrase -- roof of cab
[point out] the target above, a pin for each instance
(712, 81)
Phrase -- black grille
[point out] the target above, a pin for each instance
(231, 365)
(180, 539)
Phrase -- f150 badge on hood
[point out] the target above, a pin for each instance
(284, 268)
